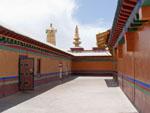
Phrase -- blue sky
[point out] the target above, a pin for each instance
(93, 11)
(33, 17)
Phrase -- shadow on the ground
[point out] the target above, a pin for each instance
(111, 83)
(13, 100)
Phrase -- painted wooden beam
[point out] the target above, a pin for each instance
(130, 20)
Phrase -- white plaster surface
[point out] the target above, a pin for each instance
(91, 53)
(80, 95)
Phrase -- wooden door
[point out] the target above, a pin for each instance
(26, 72)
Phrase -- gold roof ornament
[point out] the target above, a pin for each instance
(51, 35)
(76, 37)
(102, 39)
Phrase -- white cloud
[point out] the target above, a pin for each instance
(32, 17)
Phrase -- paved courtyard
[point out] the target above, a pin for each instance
(79, 95)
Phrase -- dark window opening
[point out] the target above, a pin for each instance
(38, 66)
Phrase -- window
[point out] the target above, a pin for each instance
(38, 66)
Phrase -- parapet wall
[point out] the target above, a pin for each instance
(90, 65)
(14, 46)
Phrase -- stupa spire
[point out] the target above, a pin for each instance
(76, 37)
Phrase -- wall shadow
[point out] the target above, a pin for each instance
(19, 97)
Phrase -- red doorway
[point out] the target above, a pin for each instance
(26, 73)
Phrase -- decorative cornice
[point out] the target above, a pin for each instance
(7, 43)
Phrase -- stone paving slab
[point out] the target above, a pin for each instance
(80, 95)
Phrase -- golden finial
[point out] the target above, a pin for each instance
(76, 37)
(51, 38)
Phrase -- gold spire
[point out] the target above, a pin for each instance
(51, 35)
(76, 37)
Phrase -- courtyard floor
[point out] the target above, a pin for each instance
(76, 95)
